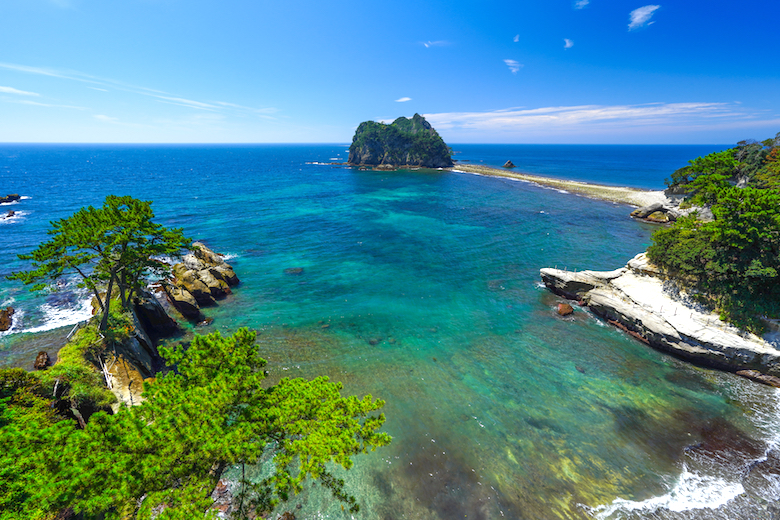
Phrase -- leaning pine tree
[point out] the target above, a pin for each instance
(108, 248)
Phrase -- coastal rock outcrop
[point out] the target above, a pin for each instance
(639, 299)
(199, 279)
(509, 164)
(404, 142)
(13, 197)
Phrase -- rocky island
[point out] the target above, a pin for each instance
(404, 142)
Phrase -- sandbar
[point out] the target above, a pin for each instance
(621, 195)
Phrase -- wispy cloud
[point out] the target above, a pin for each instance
(438, 43)
(567, 43)
(403, 100)
(580, 4)
(48, 105)
(641, 16)
(568, 119)
(160, 95)
(106, 119)
(516, 38)
(513, 65)
(11, 90)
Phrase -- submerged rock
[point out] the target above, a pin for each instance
(640, 300)
(294, 270)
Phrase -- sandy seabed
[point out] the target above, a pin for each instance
(622, 195)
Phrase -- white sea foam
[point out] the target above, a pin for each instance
(56, 317)
(691, 491)
(18, 215)
(229, 256)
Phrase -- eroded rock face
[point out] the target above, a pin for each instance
(184, 302)
(640, 300)
(509, 164)
(153, 316)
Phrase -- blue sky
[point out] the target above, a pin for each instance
(554, 71)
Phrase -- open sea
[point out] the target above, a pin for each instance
(422, 288)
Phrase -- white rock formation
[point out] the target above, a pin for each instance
(639, 299)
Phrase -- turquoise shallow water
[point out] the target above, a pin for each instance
(422, 288)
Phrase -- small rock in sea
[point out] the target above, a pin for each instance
(11, 213)
(564, 309)
(205, 323)
(434, 359)
(579, 369)
(509, 164)
(294, 270)
(12, 197)
(42, 361)
(326, 326)
(5, 318)
(374, 341)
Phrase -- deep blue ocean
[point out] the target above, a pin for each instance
(422, 288)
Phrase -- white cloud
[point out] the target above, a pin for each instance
(580, 4)
(567, 43)
(11, 90)
(516, 38)
(513, 65)
(438, 43)
(403, 99)
(106, 119)
(100, 89)
(641, 16)
(563, 120)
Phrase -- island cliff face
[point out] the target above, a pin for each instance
(405, 142)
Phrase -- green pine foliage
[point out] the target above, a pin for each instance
(162, 458)
(732, 261)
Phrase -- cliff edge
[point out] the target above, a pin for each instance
(404, 142)
(640, 300)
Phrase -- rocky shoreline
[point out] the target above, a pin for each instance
(651, 307)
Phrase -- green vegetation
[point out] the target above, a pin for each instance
(404, 142)
(115, 245)
(732, 261)
(162, 458)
